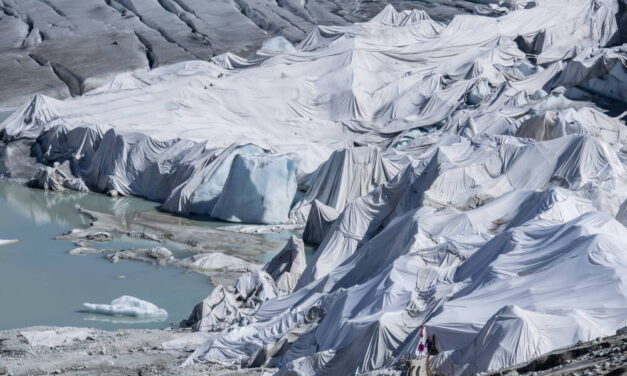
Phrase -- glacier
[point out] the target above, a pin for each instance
(463, 178)
(183, 126)
(259, 189)
(499, 230)
(65, 49)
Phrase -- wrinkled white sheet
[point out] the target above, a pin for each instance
(498, 237)
(451, 183)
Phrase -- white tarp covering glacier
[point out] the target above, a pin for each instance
(259, 189)
(453, 176)
(498, 238)
(182, 126)
(228, 304)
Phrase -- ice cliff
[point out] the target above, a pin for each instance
(467, 178)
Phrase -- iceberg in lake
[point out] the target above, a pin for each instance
(259, 189)
(126, 306)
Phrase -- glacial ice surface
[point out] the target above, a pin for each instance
(260, 189)
(172, 134)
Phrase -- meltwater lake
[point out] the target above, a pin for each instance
(41, 284)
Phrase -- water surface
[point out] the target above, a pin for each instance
(40, 284)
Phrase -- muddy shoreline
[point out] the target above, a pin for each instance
(84, 351)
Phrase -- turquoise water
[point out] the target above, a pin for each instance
(40, 284)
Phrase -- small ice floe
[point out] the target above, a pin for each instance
(127, 306)
(7, 241)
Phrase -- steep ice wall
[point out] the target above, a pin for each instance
(259, 189)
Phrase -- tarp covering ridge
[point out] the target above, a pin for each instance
(464, 179)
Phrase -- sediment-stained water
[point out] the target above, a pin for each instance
(41, 284)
